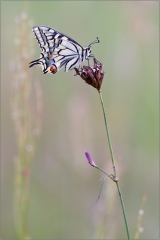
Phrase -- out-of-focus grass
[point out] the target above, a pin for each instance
(64, 188)
(26, 113)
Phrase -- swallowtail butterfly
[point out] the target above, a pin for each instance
(59, 50)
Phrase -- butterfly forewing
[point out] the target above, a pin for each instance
(58, 50)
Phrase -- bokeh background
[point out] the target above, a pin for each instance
(63, 187)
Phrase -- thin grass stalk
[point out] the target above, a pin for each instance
(139, 228)
(114, 166)
(26, 114)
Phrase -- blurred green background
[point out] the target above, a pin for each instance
(64, 188)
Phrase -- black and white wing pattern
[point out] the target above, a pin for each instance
(58, 50)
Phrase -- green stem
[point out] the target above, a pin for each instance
(104, 173)
(123, 209)
(114, 166)
(107, 130)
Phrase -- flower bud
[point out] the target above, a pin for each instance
(90, 161)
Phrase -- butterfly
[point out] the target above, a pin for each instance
(59, 50)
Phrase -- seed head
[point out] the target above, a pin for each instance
(92, 75)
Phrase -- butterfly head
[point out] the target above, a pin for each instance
(89, 49)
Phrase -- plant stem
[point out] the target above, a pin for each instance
(107, 130)
(114, 166)
(123, 209)
(104, 173)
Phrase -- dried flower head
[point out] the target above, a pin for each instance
(92, 75)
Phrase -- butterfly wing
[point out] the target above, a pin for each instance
(57, 50)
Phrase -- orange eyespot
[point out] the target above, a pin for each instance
(53, 69)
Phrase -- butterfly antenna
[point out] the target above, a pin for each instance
(95, 41)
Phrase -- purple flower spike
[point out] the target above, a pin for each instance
(90, 161)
